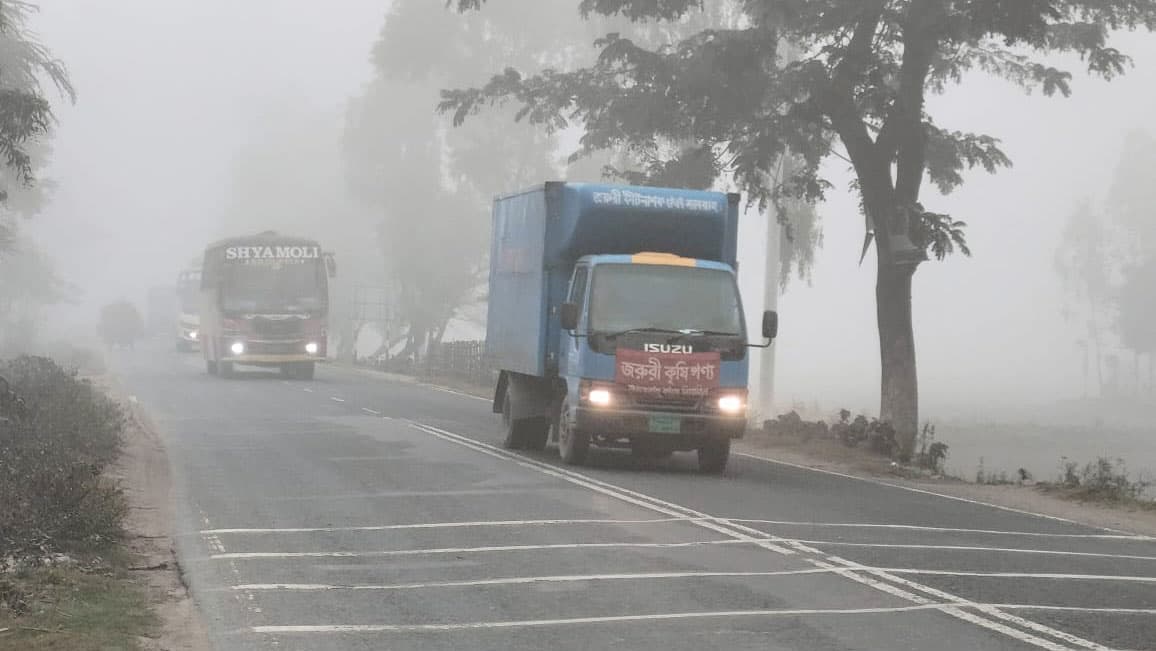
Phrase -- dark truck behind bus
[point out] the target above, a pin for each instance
(615, 318)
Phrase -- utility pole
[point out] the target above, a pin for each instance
(771, 279)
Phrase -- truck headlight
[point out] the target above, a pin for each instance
(311, 348)
(599, 397)
(237, 348)
(193, 335)
(731, 404)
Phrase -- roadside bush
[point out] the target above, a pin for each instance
(54, 449)
(791, 425)
(1102, 480)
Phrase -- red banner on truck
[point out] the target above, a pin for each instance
(667, 374)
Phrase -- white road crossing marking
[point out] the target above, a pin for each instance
(538, 623)
(448, 525)
(989, 621)
(475, 550)
(371, 411)
(913, 527)
(648, 576)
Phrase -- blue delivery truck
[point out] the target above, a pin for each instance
(615, 320)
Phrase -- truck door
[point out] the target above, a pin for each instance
(576, 295)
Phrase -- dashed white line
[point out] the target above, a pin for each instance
(307, 390)
(371, 411)
(336, 399)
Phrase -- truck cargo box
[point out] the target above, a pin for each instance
(539, 234)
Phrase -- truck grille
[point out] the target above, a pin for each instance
(666, 404)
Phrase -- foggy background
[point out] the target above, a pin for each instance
(198, 120)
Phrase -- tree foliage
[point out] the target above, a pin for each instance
(25, 114)
(855, 88)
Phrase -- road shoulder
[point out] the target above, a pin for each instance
(145, 476)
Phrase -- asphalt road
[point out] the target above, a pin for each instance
(357, 513)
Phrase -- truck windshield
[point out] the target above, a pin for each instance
(274, 288)
(628, 296)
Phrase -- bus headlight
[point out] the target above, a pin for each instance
(731, 404)
(193, 335)
(237, 348)
(311, 348)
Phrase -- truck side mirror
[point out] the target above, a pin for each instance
(568, 315)
(770, 324)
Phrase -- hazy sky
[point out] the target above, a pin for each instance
(170, 91)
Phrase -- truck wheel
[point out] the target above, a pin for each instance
(573, 443)
(225, 369)
(713, 455)
(210, 367)
(514, 439)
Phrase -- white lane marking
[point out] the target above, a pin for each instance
(452, 392)
(414, 628)
(988, 610)
(524, 580)
(785, 523)
(474, 550)
(307, 390)
(913, 527)
(799, 612)
(852, 572)
(672, 509)
(371, 411)
(336, 399)
(647, 576)
(921, 491)
(1017, 575)
(974, 548)
(703, 520)
(379, 457)
(448, 525)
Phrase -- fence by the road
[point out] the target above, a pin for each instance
(465, 361)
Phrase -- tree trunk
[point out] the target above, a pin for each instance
(899, 395)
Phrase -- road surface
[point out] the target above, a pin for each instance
(356, 513)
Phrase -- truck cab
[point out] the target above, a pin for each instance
(655, 357)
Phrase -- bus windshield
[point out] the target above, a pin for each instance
(627, 296)
(274, 288)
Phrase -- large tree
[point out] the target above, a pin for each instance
(25, 113)
(855, 89)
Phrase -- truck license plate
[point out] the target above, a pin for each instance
(664, 424)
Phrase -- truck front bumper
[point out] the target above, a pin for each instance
(270, 360)
(659, 425)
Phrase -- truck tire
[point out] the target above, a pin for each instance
(713, 456)
(514, 438)
(225, 369)
(210, 367)
(573, 443)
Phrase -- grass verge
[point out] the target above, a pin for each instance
(74, 606)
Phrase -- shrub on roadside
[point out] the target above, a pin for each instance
(53, 454)
(1102, 480)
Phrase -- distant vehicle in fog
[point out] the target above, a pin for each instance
(265, 302)
(188, 326)
(120, 325)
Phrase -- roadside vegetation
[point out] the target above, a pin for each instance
(1104, 481)
(64, 574)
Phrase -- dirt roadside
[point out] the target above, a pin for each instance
(144, 473)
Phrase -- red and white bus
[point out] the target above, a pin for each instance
(265, 302)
